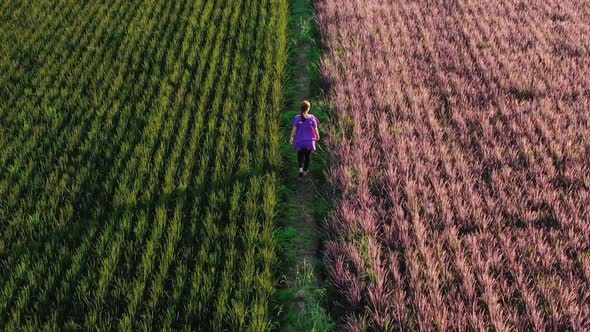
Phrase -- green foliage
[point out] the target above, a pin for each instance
(35, 218)
(286, 295)
(285, 235)
(140, 150)
(313, 316)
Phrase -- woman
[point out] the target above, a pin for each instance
(305, 133)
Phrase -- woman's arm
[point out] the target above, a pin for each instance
(293, 132)
(316, 129)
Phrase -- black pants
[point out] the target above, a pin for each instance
(304, 156)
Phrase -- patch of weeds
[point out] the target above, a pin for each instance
(287, 116)
(285, 243)
(35, 218)
(311, 315)
(306, 30)
(291, 317)
(363, 242)
(286, 295)
(321, 208)
(283, 191)
(283, 236)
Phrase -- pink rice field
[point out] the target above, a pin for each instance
(462, 136)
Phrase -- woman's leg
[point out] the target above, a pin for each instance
(301, 158)
(307, 160)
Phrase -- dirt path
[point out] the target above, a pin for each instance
(303, 307)
(302, 200)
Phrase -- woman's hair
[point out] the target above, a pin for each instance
(305, 106)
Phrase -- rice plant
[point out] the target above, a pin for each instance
(138, 156)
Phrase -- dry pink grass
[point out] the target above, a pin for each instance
(463, 174)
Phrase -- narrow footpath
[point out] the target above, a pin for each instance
(304, 294)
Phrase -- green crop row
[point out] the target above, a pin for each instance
(139, 147)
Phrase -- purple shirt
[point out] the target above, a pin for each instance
(305, 137)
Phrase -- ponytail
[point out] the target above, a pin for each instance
(305, 106)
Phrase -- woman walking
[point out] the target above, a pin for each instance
(305, 133)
